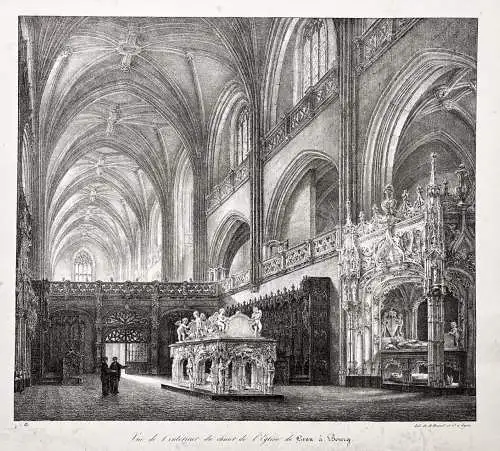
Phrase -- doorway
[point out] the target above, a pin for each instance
(116, 350)
(167, 336)
(133, 355)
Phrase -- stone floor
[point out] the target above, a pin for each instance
(141, 398)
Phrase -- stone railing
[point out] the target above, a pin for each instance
(295, 120)
(378, 38)
(137, 290)
(228, 186)
(235, 281)
(322, 246)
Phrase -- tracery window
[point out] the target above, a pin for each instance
(242, 136)
(126, 327)
(315, 61)
(83, 267)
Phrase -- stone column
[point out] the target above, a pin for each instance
(167, 241)
(351, 349)
(414, 320)
(312, 203)
(470, 364)
(253, 375)
(98, 327)
(155, 321)
(256, 180)
(200, 257)
(436, 338)
(348, 120)
(434, 278)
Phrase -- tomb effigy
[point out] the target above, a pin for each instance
(223, 356)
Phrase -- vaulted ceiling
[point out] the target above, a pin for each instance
(442, 122)
(117, 102)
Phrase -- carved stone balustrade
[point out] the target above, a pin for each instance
(221, 192)
(234, 281)
(306, 253)
(313, 102)
(379, 37)
(132, 290)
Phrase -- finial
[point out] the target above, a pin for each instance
(445, 188)
(462, 189)
(432, 180)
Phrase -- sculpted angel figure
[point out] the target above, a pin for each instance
(221, 320)
(197, 324)
(182, 329)
(203, 325)
(256, 320)
(211, 324)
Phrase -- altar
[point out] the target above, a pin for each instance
(223, 357)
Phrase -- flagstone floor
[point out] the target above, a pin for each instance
(141, 398)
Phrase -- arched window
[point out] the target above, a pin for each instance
(83, 267)
(242, 136)
(26, 166)
(183, 222)
(314, 53)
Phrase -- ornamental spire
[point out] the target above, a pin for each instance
(432, 181)
(432, 189)
(348, 219)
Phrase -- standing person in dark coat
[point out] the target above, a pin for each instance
(115, 370)
(105, 376)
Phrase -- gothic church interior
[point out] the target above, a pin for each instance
(322, 170)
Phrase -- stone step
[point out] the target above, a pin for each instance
(50, 379)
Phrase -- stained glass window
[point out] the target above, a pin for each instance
(83, 267)
(242, 136)
(314, 53)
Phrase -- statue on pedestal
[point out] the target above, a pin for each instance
(256, 321)
(182, 329)
(454, 332)
(221, 320)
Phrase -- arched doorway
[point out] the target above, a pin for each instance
(126, 336)
(69, 330)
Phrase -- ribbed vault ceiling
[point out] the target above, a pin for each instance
(118, 101)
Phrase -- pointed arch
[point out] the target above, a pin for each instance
(391, 113)
(229, 103)
(287, 32)
(184, 218)
(231, 234)
(289, 180)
